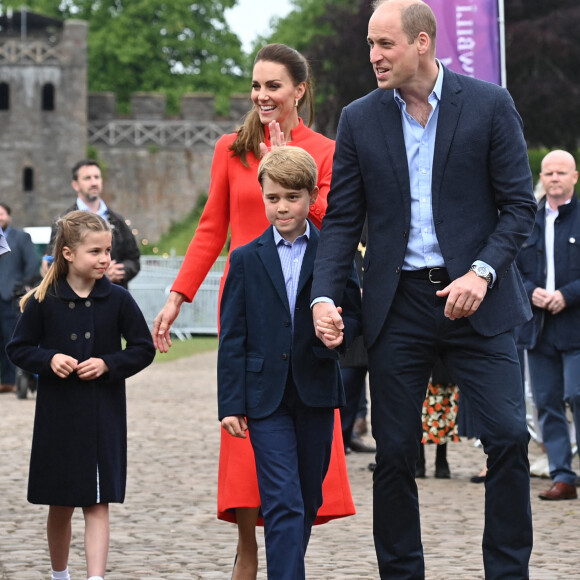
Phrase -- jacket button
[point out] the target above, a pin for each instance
(398, 270)
(73, 336)
(284, 356)
(71, 305)
(87, 335)
(88, 303)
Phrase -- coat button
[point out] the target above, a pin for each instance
(71, 305)
(398, 270)
(87, 335)
(73, 336)
(284, 356)
(88, 303)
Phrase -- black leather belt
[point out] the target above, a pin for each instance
(433, 275)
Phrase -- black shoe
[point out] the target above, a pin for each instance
(420, 470)
(442, 471)
(359, 446)
(477, 479)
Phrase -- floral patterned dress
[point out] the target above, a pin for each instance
(440, 413)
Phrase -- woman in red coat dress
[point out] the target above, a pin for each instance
(281, 87)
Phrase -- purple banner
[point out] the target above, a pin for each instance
(468, 37)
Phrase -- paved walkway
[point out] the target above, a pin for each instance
(167, 528)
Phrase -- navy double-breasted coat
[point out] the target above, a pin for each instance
(80, 427)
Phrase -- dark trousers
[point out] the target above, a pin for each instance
(354, 381)
(488, 372)
(292, 450)
(8, 318)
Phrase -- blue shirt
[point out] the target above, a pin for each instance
(4, 247)
(103, 209)
(423, 248)
(291, 256)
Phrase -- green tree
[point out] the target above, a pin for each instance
(147, 45)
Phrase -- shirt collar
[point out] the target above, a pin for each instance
(279, 239)
(435, 93)
(102, 211)
(550, 211)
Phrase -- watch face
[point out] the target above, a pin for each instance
(482, 271)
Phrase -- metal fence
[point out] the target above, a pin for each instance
(151, 287)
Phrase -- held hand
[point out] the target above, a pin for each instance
(63, 365)
(115, 272)
(464, 295)
(91, 369)
(328, 323)
(557, 302)
(163, 321)
(542, 298)
(235, 425)
(277, 138)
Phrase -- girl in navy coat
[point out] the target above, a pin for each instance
(70, 334)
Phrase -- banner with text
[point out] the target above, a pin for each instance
(468, 37)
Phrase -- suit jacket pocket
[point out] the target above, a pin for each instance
(254, 381)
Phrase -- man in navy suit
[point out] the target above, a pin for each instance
(275, 377)
(17, 270)
(438, 163)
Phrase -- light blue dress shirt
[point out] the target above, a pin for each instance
(103, 209)
(291, 257)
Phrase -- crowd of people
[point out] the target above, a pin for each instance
(460, 272)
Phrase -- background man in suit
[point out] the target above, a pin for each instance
(550, 266)
(438, 163)
(87, 181)
(18, 269)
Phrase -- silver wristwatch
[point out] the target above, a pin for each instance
(483, 272)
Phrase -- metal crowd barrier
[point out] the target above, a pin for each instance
(151, 287)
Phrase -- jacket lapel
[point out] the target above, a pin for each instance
(449, 111)
(308, 259)
(392, 129)
(268, 254)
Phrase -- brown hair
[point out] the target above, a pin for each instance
(72, 229)
(291, 167)
(416, 17)
(251, 133)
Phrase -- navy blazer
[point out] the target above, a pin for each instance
(532, 265)
(257, 345)
(21, 266)
(483, 203)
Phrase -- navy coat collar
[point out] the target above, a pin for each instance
(101, 290)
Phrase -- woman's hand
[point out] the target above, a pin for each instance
(277, 138)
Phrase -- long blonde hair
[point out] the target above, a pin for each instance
(251, 133)
(72, 230)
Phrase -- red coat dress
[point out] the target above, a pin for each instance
(235, 204)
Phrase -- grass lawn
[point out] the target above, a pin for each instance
(183, 348)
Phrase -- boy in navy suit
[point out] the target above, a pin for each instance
(275, 378)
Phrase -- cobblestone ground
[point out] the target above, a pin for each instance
(167, 528)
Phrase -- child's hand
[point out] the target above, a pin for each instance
(235, 425)
(91, 368)
(327, 327)
(63, 365)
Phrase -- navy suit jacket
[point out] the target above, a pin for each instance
(257, 345)
(21, 266)
(483, 204)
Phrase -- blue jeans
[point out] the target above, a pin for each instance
(555, 381)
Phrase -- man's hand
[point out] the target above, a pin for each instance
(63, 365)
(235, 425)
(554, 303)
(163, 321)
(464, 295)
(91, 368)
(116, 272)
(328, 323)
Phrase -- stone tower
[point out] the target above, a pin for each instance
(43, 113)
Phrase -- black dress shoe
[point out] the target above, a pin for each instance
(359, 446)
(477, 479)
(442, 471)
(420, 471)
